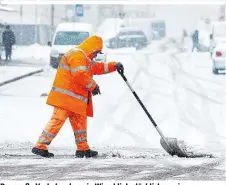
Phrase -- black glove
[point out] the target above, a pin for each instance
(119, 67)
(96, 91)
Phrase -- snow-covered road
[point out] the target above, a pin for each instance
(179, 90)
(113, 164)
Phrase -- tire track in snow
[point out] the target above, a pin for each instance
(203, 97)
(194, 79)
(178, 170)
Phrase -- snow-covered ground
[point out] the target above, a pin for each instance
(25, 59)
(185, 99)
(10, 72)
(33, 54)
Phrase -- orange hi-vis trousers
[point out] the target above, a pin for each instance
(78, 123)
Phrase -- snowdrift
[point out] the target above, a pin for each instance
(32, 54)
(182, 106)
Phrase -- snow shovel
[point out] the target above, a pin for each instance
(170, 145)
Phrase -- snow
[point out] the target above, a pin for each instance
(185, 99)
(221, 46)
(10, 72)
(115, 168)
(75, 27)
(34, 52)
(11, 16)
(178, 88)
(30, 54)
(26, 59)
(2, 8)
(182, 96)
(109, 28)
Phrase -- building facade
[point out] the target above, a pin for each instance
(40, 20)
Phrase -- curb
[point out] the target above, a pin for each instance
(21, 77)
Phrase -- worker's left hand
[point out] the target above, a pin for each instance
(119, 67)
(96, 91)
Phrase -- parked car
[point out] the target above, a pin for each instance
(111, 26)
(66, 36)
(218, 57)
(128, 37)
(217, 34)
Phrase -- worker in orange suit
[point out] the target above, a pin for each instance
(71, 95)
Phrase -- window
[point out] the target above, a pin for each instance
(158, 25)
(70, 38)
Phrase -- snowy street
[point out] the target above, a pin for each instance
(171, 129)
(145, 165)
(183, 96)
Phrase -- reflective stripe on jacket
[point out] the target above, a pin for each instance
(74, 78)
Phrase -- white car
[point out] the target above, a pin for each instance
(218, 34)
(128, 37)
(67, 36)
(218, 57)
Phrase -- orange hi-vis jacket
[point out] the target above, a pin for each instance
(74, 82)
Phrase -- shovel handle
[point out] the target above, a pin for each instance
(144, 108)
(138, 99)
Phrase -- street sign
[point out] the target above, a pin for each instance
(79, 10)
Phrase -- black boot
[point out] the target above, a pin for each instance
(41, 152)
(86, 153)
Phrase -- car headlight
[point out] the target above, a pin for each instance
(54, 54)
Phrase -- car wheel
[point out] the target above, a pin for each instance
(53, 63)
(215, 71)
(138, 46)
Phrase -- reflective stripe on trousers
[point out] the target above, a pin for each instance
(44, 141)
(80, 132)
(58, 118)
(69, 93)
(82, 138)
(47, 135)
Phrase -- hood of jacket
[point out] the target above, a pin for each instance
(91, 45)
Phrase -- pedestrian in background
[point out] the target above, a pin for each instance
(2, 28)
(195, 40)
(8, 39)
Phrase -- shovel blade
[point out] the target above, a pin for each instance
(172, 147)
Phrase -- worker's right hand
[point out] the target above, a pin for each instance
(119, 67)
(96, 91)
